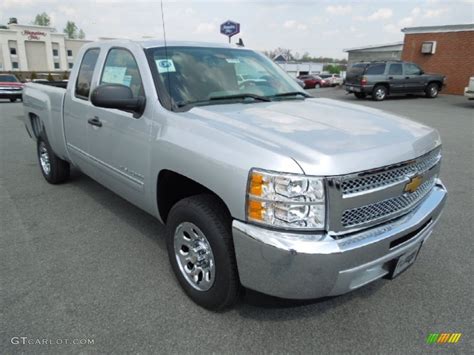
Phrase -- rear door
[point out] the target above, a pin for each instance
(120, 145)
(414, 80)
(396, 78)
(76, 109)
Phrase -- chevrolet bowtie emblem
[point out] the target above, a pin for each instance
(413, 184)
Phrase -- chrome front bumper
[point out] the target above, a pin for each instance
(305, 266)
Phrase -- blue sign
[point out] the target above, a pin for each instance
(230, 28)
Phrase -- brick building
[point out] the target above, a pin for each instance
(447, 50)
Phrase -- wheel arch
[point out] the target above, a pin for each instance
(172, 187)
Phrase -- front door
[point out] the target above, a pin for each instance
(413, 77)
(396, 78)
(119, 142)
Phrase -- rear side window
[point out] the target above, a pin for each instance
(376, 69)
(86, 70)
(121, 68)
(395, 69)
(412, 69)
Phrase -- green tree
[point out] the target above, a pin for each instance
(42, 19)
(70, 30)
(81, 34)
(49, 77)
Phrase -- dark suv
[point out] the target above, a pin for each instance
(379, 79)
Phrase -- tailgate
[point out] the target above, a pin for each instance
(355, 73)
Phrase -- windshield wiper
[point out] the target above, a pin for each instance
(222, 98)
(292, 93)
(240, 96)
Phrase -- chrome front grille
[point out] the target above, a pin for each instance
(376, 211)
(390, 175)
(368, 198)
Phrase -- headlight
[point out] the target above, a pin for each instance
(286, 200)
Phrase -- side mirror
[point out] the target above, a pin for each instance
(119, 97)
(422, 72)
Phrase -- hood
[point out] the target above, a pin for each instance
(324, 136)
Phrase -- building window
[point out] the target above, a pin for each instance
(15, 65)
(13, 51)
(69, 52)
(56, 65)
(55, 52)
(70, 65)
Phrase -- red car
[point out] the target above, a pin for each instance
(314, 81)
(10, 87)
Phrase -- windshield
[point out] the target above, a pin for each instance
(8, 79)
(190, 76)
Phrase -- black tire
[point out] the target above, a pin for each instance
(59, 169)
(209, 214)
(432, 90)
(13, 99)
(317, 86)
(379, 93)
(360, 95)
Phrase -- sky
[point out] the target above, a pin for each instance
(319, 27)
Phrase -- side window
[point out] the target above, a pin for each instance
(86, 70)
(376, 69)
(395, 69)
(412, 69)
(121, 68)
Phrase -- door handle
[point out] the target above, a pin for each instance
(95, 121)
(390, 77)
(407, 77)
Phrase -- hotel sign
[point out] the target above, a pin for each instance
(33, 35)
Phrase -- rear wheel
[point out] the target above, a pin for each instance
(360, 95)
(201, 251)
(54, 169)
(432, 90)
(379, 93)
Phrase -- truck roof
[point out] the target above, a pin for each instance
(151, 43)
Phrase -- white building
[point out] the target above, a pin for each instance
(389, 51)
(29, 48)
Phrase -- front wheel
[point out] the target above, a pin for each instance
(317, 86)
(379, 93)
(54, 169)
(201, 251)
(432, 90)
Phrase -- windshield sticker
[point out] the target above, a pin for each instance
(165, 65)
(127, 80)
(114, 75)
(232, 60)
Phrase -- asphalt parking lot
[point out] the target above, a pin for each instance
(79, 262)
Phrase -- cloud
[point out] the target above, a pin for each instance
(433, 13)
(339, 9)
(415, 11)
(205, 28)
(391, 28)
(301, 27)
(406, 21)
(289, 24)
(381, 14)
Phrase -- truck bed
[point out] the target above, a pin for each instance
(44, 104)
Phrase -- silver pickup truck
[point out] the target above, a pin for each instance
(260, 185)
